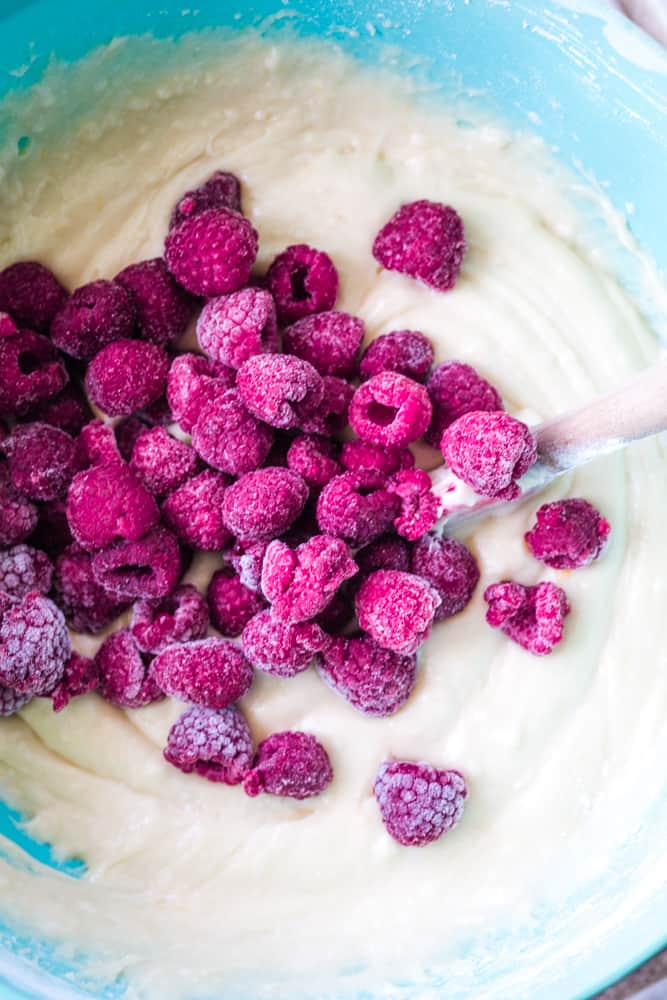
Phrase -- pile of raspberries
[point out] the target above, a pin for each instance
(330, 557)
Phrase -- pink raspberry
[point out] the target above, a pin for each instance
(279, 389)
(397, 609)
(425, 240)
(208, 672)
(31, 372)
(489, 452)
(31, 294)
(281, 649)
(329, 341)
(231, 604)
(148, 568)
(180, 617)
(163, 309)
(80, 677)
(235, 327)
(194, 512)
(221, 190)
(568, 534)
(247, 558)
(34, 645)
(264, 504)
(531, 616)
(456, 388)
(125, 677)
(289, 764)
(87, 606)
(418, 802)
(126, 376)
(94, 316)
(11, 701)
(449, 567)
(8, 327)
(68, 410)
(314, 458)
(390, 410)
(357, 507)
(42, 460)
(303, 281)
(192, 381)
(338, 614)
(387, 552)
(211, 252)
(228, 437)
(375, 681)
(18, 516)
(300, 582)
(97, 444)
(330, 417)
(359, 456)
(23, 569)
(108, 502)
(161, 462)
(213, 743)
(420, 507)
(408, 352)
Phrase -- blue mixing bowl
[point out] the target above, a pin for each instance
(609, 121)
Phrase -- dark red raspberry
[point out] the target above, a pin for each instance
(357, 507)
(11, 701)
(329, 341)
(42, 460)
(192, 381)
(126, 433)
(302, 281)
(235, 327)
(213, 743)
(180, 617)
(300, 582)
(390, 410)
(68, 410)
(330, 417)
(314, 458)
(279, 648)
(211, 252)
(209, 672)
(148, 568)
(568, 534)
(449, 567)
(418, 802)
(126, 376)
(338, 614)
(23, 569)
(247, 558)
(397, 609)
(420, 507)
(34, 645)
(31, 294)
(387, 552)
(408, 352)
(359, 456)
(18, 516)
(489, 452)
(31, 372)
(97, 444)
(280, 389)
(87, 606)
(161, 462)
(375, 681)
(194, 512)
(456, 388)
(231, 604)
(228, 437)
(424, 239)
(81, 676)
(531, 616)
(108, 502)
(163, 309)
(158, 413)
(290, 764)
(125, 677)
(221, 190)
(264, 504)
(52, 533)
(95, 315)
(8, 327)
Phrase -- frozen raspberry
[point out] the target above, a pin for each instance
(87, 606)
(214, 743)
(68, 410)
(290, 764)
(568, 534)
(375, 681)
(212, 252)
(108, 502)
(489, 452)
(97, 444)
(449, 567)
(42, 460)
(31, 294)
(425, 240)
(264, 504)
(148, 568)
(329, 341)
(125, 677)
(531, 616)
(34, 645)
(405, 351)
(180, 617)
(390, 410)
(161, 462)
(157, 413)
(418, 802)
(456, 388)
(300, 582)
(81, 676)
(338, 614)
(221, 190)
(126, 376)
(330, 417)
(194, 512)
(386, 553)
(228, 437)
(93, 316)
(359, 456)
(231, 604)
(397, 609)
(11, 701)
(193, 381)
(52, 533)
(314, 458)
(279, 389)
(357, 507)
(18, 515)
(126, 433)
(420, 507)
(302, 281)
(279, 648)
(23, 569)
(247, 558)
(8, 327)
(163, 309)
(235, 327)
(30, 372)
(208, 672)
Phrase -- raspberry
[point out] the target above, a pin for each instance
(42, 460)
(163, 309)
(235, 327)
(228, 437)
(6, 602)
(314, 458)
(489, 451)
(126, 433)
(329, 341)
(456, 388)
(425, 240)
(397, 609)
(211, 252)
(531, 616)
(87, 606)
(231, 604)
(180, 617)
(11, 701)
(357, 507)
(18, 516)
(108, 502)
(81, 676)
(420, 507)
(161, 462)
(405, 351)
(194, 512)
(23, 569)
(52, 533)
(330, 417)
(300, 583)
(34, 645)
(30, 372)
(147, 568)
(216, 744)
(157, 413)
(32, 294)
(192, 382)
(263, 504)
(302, 281)
(281, 649)
(390, 410)
(386, 553)
(290, 764)
(359, 456)
(208, 672)
(127, 376)
(247, 558)
(375, 681)
(418, 802)
(94, 316)
(124, 673)
(568, 534)
(221, 190)
(280, 389)
(449, 567)
(337, 615)
(8, 327)
(68, 410)
(97, 444)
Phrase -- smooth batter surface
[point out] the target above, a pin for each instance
(192, 885)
